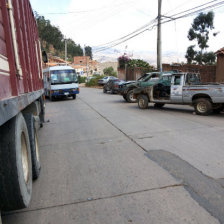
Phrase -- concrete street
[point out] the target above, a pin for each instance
(105, 161)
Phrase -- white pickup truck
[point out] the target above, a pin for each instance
(183, 88)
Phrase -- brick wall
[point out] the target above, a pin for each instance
(207, 72)
(81, 60)
(131, 73)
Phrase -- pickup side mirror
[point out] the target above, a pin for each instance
(44, 57)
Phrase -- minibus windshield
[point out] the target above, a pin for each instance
(63, 77)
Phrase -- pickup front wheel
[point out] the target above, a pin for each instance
(130, 98)
(203, 106)
(142, 101)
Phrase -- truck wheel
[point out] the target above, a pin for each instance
(34, 147)
(74, 96)
(125, 98)
(15, 165)
(159, 105)
(203, 106)
(42, 112)
(130, 98)
(143, 101)
(104, 90)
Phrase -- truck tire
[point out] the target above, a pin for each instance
(143, 101)
(34, 147)
(15, 165)
(159, 105)
(130, 98)
(104, 90)
(125, 98)
(74, 96)
(202, 106)
(51, 98)
(42, 112)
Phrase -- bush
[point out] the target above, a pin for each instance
(110, 71)
(94, 81)
(82, 79)
(123, 60)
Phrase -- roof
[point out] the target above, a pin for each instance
(220, 51)
(59, 68)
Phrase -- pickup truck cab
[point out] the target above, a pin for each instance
(126, 89)
(183, 88)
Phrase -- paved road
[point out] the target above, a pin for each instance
(106, 161)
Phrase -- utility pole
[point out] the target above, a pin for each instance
(159, 48)
(65, 52)
(86, 61)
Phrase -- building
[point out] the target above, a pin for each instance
(104, 65)
(85, 64)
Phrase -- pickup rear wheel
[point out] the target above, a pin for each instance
(15, 165)
(203, 106)
(130, 98)
(143, 101)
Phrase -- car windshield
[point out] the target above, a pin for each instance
(166, 78)
(63, 76)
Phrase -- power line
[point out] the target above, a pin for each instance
(102, 16)
(115, 44)
(122, 39)
(194, 8)
(217, 5)
(135, 31)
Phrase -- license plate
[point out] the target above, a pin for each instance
(66, 93)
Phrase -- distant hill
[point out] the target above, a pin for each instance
(149, 56)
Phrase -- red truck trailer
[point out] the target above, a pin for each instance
(21, 103)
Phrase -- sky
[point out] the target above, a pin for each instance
(96, 22)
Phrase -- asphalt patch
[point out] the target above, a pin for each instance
(206, 191)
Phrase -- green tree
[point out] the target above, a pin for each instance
(88, 51)
(209, 58)
(190, 55)
(51, 35)
(109, 71)
(199, 31)
(73, 49)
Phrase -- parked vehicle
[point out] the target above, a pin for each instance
(104, 80)
(123, 86)
(183, 88)
(148, 79)
(60, 81)
(21, 103)
(89, 78)
(112, 86)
